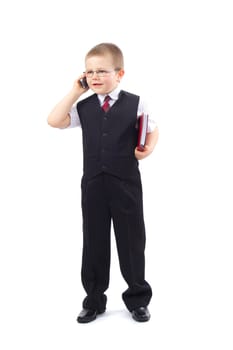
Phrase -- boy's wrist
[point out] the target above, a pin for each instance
(74, 94)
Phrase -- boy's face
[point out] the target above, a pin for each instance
(101, 75)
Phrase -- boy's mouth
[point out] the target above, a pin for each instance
(96, 84)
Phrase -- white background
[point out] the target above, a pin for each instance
(178, 55)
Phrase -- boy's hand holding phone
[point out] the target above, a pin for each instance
(80, 86)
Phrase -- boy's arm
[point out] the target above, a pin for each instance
(59, 117)
(151, 141)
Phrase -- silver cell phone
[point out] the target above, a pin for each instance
(83, 83)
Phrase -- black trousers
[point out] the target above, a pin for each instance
(107, 198)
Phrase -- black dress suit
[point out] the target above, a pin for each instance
(112, 191)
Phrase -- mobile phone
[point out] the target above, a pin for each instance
(83, 83)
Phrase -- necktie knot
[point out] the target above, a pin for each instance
(106, 104)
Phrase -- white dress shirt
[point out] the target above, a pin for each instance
(142, 109)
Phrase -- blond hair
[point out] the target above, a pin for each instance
(108, 49)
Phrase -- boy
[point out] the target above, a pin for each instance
(111, 184)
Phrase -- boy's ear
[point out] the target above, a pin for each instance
(120, 74)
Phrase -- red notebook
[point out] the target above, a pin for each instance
(142, 131)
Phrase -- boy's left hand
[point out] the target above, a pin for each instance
(151, 140)
(143, 154)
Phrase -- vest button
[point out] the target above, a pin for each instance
(104, 167)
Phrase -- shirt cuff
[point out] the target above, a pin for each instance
(74, 118)
(151, 125)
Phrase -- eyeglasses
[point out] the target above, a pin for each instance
(100, 73)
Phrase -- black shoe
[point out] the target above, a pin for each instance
(141, 314)
(88, 315)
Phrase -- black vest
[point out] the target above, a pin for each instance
(109, 139)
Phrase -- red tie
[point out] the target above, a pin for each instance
(106, 105)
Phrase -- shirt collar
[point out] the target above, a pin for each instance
(113, 94)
